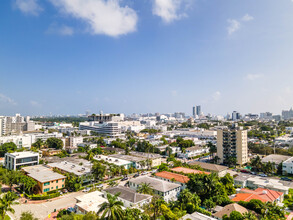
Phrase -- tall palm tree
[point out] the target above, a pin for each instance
(145, 188)
(6, 201)
(112, 209)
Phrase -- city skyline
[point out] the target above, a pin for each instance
(222, 55)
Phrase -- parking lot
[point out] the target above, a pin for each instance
(41, 211)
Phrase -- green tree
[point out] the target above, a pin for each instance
(228, 183)
(234, 215)
(145, 188)
(209, 204)
(7, 148)
(28, 183)
(28, 215)
(6, 201)
(54, 143)
(38, 144)
(99, 171)
(112, 208)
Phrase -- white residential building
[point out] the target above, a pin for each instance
(287, 167)
(168, 191)
(16, 160)
(193, 151)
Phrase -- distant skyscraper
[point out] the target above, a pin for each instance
(193, 111)
(198, 110)
(235, 116)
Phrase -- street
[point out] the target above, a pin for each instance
(42, 210)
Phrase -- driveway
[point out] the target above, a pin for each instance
(41, 211)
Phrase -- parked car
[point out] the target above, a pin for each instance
(286, 179)
(136, 175)
(70, 210)
(65, 191)
(124, 178)
(244, 171)
(253, 173)
(263, 175)
(144, 173)
(86, 190)
(100, 186)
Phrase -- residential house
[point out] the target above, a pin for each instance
(264, 195)
(213, 168)
(230, 208)
(185, 170)
(173, 177)
(168, 191)
(193, 151)
(89, 202)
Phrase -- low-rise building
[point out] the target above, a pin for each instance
(129, 197)
(264, 195)
(17, 160)
(193, 151)
(48, 152)
(76, 169)
(275, 158)
(213, 168)
(168, 191)
(254, 182)
(173, 177)
(137, 162)
(197, 216)
(47, 180)
(119, 162)
(230, 208)
(156, 159)
(287, 167)
(89, 202)
(185, 170)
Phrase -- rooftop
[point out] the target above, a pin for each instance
(70, 167)
(42, 174)
(23, 154)
(209, 166)
(264, 195)
(156, 184)
(128, 194)
(229, 208)
(197, 216)
(275, 158)
(128, 157)
(90, 202)
(145, 155)
(177, 177)
(116, 161)
(188, 170)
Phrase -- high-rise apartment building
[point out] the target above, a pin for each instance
(193, 111)
(235, 116)
(198, 110)
(232, 143)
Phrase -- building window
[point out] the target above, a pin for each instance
(62, 180)
(46, 190)
(47, 183)
(56, 187)
(62, 185)
(56, 181)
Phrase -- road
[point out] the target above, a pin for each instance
(42, 210)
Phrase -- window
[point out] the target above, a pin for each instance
(56, 181)
(62, 180)
(52, 187)
(46, 190)
(47, 183)
(56, 187)
(62, 185)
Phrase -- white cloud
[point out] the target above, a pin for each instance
(247, 17)
(6, 99)
(61, 30)
(35, 103)
(170, 10)
(103, 17)
(253, 77)
(216, 96)
(234, 26)
(28, 6)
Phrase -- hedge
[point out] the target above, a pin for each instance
(43, 196)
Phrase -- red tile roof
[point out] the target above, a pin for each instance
(188, 170)
(265, 195)
(177, 177)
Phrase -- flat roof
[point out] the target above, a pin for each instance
(275, 158)
(116, 161)
(128, 157)
(188, 171)
(42, 173)
(156, 184)
(70, 167)
(23, 154)
(90, 202)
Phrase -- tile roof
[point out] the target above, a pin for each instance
(170, 176)
(209, 166)
(230, 208)
(188, 170)
(265, 195)
(128, 194)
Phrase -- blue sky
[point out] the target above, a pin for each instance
(69, 56)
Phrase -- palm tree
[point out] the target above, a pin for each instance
(5, 203)
(216, 159)
(212, 149)
(145, 188)
(112, 210)
(28, 215)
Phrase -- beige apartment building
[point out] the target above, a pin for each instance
(47, 180)
(232, 143)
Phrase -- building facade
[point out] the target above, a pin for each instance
(232, 143)
(15, 161)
